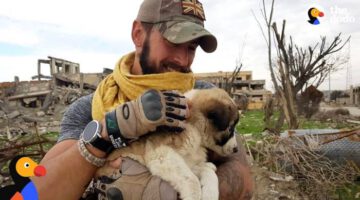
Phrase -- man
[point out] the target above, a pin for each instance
(166, 34)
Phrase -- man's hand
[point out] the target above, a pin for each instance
(151, 110)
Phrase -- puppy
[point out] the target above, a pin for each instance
(181, 158)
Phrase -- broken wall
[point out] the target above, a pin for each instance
(32, 86)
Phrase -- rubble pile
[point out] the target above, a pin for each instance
(18, 118)
(30, 125)
(31, 111)
(339, 115)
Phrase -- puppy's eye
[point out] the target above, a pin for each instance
(219, 119)
(212, 115)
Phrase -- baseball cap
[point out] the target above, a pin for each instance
(178, 21)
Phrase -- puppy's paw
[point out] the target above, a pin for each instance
(209, 193)
(210, 165)
(209, 182)
(191, 191)
(193, 196)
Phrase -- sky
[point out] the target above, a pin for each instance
(96, 34)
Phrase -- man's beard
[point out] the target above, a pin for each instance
(144, 58)
(150, 68)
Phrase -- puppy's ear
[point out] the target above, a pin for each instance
(219, 114)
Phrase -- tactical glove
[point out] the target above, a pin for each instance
(143, 115)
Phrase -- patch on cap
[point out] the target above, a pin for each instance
(193, 7)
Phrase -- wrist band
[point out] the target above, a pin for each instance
(98, 162)
(113, 130)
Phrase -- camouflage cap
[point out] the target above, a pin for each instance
(178, 21)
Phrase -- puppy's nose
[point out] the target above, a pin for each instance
(235, 149)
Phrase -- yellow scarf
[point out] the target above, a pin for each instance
(121, 86)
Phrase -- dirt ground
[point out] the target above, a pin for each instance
(276, 187)
(355, 111)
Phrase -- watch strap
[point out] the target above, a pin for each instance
(103, 145)
(98, 162)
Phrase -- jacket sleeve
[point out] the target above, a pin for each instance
(76, 117)
(199, 84)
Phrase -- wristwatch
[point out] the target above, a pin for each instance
(92, 135)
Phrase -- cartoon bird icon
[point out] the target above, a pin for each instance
(314, 13)
(21, 168)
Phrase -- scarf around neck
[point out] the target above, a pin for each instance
(122, 86)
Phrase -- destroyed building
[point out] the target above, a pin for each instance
(355, 95)
(350, 97)
(44, 99)
(243, 84)
(63, 73)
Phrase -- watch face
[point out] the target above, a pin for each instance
(90, 131)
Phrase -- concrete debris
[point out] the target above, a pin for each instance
(274, 191)
(40, 113)
(31, 119)
(337, 115)
(30, 100)
(14, 133)
(35, 103)
(13, 114)
(4, 107)
(353, 121)
(2, 114)
(278, 177)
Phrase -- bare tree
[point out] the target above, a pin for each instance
(296, 66)
(267, 37)
(229, 82)
(311, 65)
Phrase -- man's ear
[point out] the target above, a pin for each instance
(138, 34)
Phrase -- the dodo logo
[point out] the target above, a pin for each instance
(21, 168)
(314, 13)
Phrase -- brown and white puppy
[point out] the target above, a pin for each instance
(181, 158)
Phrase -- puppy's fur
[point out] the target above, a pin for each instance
(181, 158)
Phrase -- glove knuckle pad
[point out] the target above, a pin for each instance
(152, 106)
